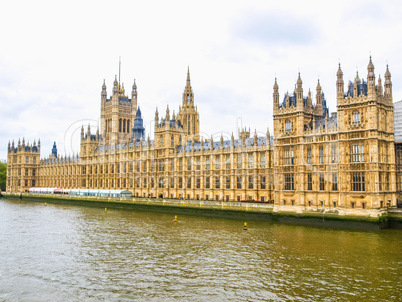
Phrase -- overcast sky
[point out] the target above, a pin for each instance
(55, 55)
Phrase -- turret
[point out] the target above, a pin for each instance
(115, 86)
(370, 78)
(339, 84)
(255, 137)
(54, 150)
(167, 115)
(156, 117)
(82, 132)
(276, 96)
(309, 101)
(319, 99)
(388, 86)
(356, 85)
(379, 87)
(104, 93)
(299, 93)
(268, 137)
(134, 95)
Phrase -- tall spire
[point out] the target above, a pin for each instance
(188, 76)
(188, 97)
(340, 84)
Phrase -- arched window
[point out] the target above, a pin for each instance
(288, 125)
(128, 126)
(27, 160)
(124, 125)
(356, 117)
(172, 141)
(119, 125)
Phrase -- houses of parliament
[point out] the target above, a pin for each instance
(313, 158)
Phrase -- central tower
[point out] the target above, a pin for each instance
(117, 114)
(188, 114)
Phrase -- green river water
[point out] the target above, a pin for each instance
(71, 253)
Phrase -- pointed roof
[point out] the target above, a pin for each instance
(276, 85)
(138, 114)
(370, 65)
(339, 73)
(188, 75)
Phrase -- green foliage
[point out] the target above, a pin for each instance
(3, 176)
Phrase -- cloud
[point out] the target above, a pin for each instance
(272, 28)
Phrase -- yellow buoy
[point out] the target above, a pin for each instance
(105, 210)
(245, 226)
(45, 203)
(175, 219)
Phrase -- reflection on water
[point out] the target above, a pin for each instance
(50, 253)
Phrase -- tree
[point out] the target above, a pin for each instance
(3, 176)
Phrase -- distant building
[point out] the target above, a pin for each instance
(343, 160)
(3, 161)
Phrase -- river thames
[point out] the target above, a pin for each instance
(70, 253)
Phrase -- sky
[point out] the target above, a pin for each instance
(55, 55)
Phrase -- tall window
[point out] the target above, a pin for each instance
(207, 166)
(189, 163)
(333, 154)
(358, 183)
(198, 163)
(309, 155)
(288, 158)
(217, 163)
(356, 117)
(172, 182)
(288, 126)
(27, 160)
(322, 182)
(357, 153)
(289, 181)
(189, 182)
(180, 182)
(250, 161)
(334, 182)
(238, 181)
(321, 154)
(228, 162)
(172, 141)
(309, 181)
(262, 161)
(238, 161)
(180, 164)
(198, 182)
(250, 182)
(207, 182)
(227, 182)
(34, 160)
(263, 183)
(217, 182)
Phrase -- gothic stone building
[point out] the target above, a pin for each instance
(313, 159)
